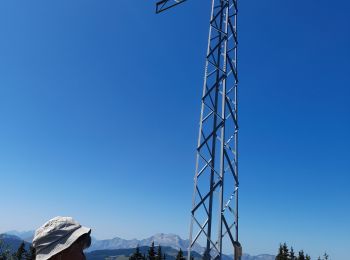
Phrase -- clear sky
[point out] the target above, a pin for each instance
(99, 108)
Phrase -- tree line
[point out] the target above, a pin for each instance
(284, 253)
(153, 255)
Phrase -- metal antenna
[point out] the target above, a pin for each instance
(214, 214)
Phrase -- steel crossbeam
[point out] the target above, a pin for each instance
(166, 4)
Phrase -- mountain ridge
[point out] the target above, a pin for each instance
(113, 245)
(12, 242)
(171, 240)
(26, 236)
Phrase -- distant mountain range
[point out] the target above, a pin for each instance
(120, 249)
(123, 254)
(167, 240)
(11, 242)
(25, 235)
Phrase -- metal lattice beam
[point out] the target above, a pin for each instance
(166, 4)
(214, 214)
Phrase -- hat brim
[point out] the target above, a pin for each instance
(62, 244)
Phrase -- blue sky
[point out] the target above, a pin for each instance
(100, 102)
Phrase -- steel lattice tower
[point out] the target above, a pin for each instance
(214, 214)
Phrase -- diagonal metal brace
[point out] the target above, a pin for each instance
(167, 4)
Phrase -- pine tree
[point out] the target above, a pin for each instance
(137, 255)
(180, 255)
(307, 257)
(292, 254)
(301, 255)
(21, 251)
(151, 253)
(159, 255)
(325, 256)
(285, 252)
(319, 258)
(279, 256)
(30, 255)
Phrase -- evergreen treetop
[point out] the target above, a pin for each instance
(137, 255)
(159, 255)
(292, 254)
(180, 255)
(283, 252)
(151, 253)
(301, 255)
(21, 251)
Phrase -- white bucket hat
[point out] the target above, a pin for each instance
(57, 235)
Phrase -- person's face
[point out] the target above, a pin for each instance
(74, 252)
